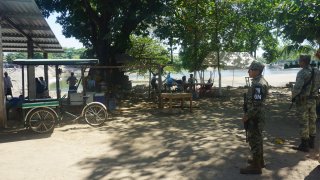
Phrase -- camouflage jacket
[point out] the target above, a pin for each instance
(256, 96)
(303, 77)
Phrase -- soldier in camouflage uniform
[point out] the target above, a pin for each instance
(255, 116)
(304, 94)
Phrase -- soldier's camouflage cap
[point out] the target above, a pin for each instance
(255, 65)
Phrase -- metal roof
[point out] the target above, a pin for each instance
(56, 61)
(22, 19)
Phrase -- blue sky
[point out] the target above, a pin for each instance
(57, 30)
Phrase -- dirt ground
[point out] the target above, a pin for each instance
(143, 142)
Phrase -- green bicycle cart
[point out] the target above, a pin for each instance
(41, 115)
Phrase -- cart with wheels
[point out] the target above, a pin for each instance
(40, 115)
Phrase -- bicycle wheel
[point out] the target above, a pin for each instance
(95, 114)
(42, 120)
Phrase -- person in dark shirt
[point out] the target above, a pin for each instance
(39, 88)
(72, 81)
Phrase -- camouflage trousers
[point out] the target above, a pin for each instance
(255, 136)
(307, 116)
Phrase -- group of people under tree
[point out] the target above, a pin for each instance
(182, 85)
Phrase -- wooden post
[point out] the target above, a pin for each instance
(46, 77)
(31, 72)
(159, 86)
(82, 79)
(149, 89)
(159, 78)
(57, 83)
(23, 86)
(3, 111)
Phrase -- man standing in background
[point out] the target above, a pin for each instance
(72, 81)
(45, 87)
(7, 85)
(304, 94)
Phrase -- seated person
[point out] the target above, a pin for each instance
(14, 106)
(15, 102)
(206, 88)
(184, 83)
(169, 81)
(181, 84)
(209, 84)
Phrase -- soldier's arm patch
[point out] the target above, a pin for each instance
(257, 93)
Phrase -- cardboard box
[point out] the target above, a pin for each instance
(90, 96)
(76, 98)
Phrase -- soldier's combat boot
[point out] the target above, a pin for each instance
(304, 146)
(311, 142)
(253, 168)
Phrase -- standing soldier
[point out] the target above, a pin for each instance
(255, 117)
(304, 94)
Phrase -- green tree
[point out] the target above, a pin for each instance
(255, 24)
(299, 21)
(147, 54)
(166, 27)
(21, 55)
(69, 53)
(12, 56)
(272, 52)
(292, 51)
(104, 27)
(207, 28)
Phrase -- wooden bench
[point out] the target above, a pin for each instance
(171, 96)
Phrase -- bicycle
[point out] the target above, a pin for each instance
(41, 115)
(44, 119)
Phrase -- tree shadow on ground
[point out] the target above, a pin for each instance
(20, 134)
(206, 144)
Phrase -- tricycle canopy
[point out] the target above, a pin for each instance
(56, 61)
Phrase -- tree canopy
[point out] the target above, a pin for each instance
(69, 53)
(198, 27)
(104, 26)
(299, 20)
(148, 54)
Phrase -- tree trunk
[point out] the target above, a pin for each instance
(219, 72)
(113, 77)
